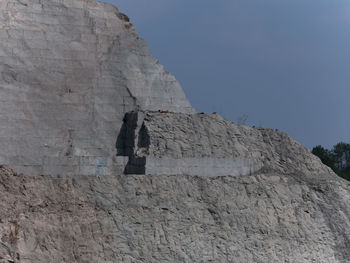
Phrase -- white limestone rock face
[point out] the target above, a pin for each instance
(266, 217)
(206, 190)
(69, 70)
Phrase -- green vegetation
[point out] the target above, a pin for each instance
(338, 158)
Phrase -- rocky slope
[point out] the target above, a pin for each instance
(137, 218)
(207, 145)
(107, 178)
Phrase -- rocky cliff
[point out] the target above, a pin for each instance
(265, 217)
(69, 71)
(98, 174)
(208, 145)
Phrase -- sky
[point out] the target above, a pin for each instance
(283, 63)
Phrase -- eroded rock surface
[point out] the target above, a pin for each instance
(138, 218)
(208, 145)
(206, 191)
(69, 71)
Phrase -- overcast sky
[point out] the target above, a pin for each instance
(284, 63)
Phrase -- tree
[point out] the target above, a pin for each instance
(340, 148)
(326, 156)
(334, 158)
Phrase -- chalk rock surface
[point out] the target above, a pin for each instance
(266, 217)
(107, 178)
(69, 71)
(202, 144)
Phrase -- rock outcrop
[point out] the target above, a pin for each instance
(99, 174)
(208, 145)
(266, 217)
(69, 71)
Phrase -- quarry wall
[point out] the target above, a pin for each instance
(69, 71)
(262, 218)
(207, 144)
(80, 93)
(109, 178)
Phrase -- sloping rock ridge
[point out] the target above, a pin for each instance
(202, 144)
(110, 163)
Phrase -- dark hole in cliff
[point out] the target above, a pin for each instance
(126, 138)
(126, 143)
(144, 139)
(135, 165)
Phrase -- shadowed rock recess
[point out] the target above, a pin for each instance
(92, 171)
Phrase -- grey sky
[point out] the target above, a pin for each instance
(284, 63)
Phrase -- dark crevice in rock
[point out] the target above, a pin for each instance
(126, 138)
(130, 139)
(135, 165)
(143, 138)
